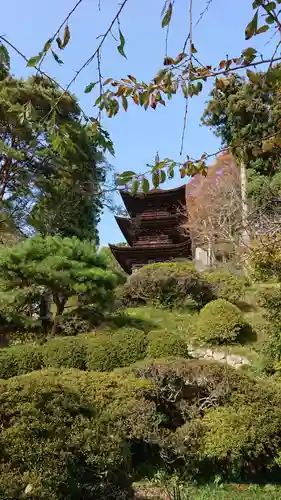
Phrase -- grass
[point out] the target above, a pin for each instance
(209, 492)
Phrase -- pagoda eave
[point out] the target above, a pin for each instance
(130, 257)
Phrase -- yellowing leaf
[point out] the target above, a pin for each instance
(168, 15)
(252, 27)
(66, 36)
(132, 78)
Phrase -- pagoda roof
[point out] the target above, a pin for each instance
(154, 195)
(126, 227)
(127, 257)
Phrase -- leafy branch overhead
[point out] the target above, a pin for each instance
(182, 74)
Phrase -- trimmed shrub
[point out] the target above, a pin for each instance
(65, 435)
(18, 359)
(225, 285)
(220, 322)
(68, 352)
(107, 351)
(163, 343)
(168, 284)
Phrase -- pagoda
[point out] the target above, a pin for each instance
(153, 229)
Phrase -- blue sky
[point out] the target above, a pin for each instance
(137, 135)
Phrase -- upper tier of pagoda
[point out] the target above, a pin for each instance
(153, 229)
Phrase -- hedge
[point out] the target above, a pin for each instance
(69, 434)
(106, 351)
(68, 352)
(220, 322)
(64, 435)
(168, 284)
(163, 343)
(18, 359)
(225, 285)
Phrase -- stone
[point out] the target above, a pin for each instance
(234, 360)
(219, 356)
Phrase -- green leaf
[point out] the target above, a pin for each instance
(171, 171)
(122, 44)
(128, 173)
(135, 186)
(162, 176)
(252, 27)
(155, 180)
(124, 102)
(33, 61)
(66, 36)
(56, 58)
(270, 19)
(47, 45)
(145, 185)
(262, 29)
(168, 16)
(90, 87)
(249, 54)
(253, 77)
(270, 7)
(59, 42)
(193, 49)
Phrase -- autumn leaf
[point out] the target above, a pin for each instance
(66, 36)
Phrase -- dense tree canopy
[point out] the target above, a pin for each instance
(246, 111)
(51, 166)
(65, 267)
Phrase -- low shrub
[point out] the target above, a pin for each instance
(65, 435)
(108, 350)
(220, 322)
(18, 359)
(68, 352)
(225, 285)
(163, 343)
(168, 284)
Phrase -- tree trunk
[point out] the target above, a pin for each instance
(45, 311)
(60, 304)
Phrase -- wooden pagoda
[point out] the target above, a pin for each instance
(153, 229)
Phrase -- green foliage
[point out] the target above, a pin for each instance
(220, 322)
(64, 352)
(106, 351)
(53, 168)
(164, 343)
(63, 266)
(19, 359)
(168, 284)
(65, 435)
(113, 265)
(225, 285)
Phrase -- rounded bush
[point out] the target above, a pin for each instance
(225, 285)
(110, 350)
(18, 359)
(220, 322)
(64, 435)
(163, 343)
(168, 284)
(68, 352)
